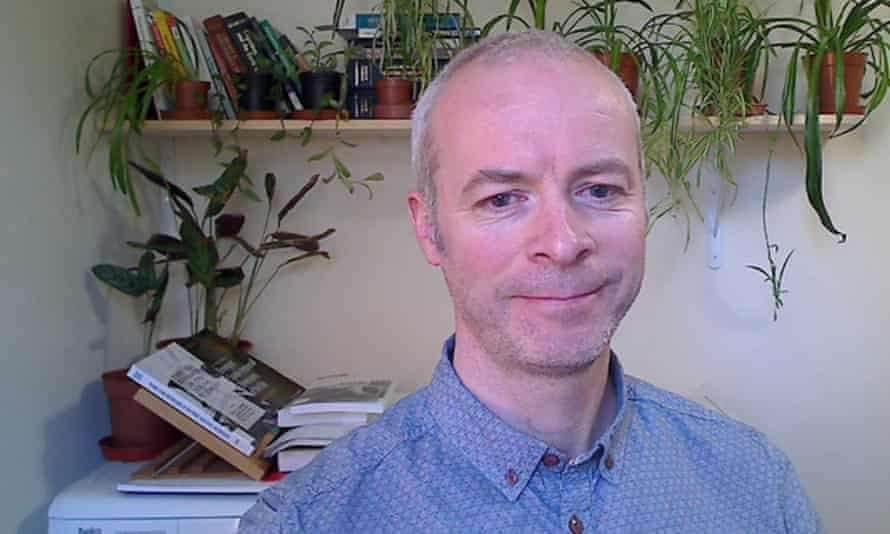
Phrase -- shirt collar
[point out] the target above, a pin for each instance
(507, 457)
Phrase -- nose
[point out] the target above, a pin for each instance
(560, 235)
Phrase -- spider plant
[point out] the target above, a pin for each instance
(857, 27)
(712, 50)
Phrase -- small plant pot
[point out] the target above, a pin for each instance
(134, 429)
(394, 91)
(854, 71)
(628, 70)
(191, 101)
(257, 93)
(317, 88)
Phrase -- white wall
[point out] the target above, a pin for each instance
(55, 223)
(813, 381)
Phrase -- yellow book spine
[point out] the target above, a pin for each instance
(169, 43)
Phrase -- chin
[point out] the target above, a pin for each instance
(562, 354)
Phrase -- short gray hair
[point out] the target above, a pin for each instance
(503, 49)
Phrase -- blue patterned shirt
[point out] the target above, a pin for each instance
(440, 461)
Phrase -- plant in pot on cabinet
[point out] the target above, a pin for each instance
(120, 100)
(216, 260)
(859, 34)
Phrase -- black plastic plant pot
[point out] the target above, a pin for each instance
(256, 94)
(316, 86)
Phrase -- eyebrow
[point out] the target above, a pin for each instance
(608, 165)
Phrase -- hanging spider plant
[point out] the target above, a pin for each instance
(856, 28)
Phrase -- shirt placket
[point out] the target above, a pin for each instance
(576, 510)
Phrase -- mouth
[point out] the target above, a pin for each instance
(557, 299)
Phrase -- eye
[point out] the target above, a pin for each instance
(501, 200)
(599, 193)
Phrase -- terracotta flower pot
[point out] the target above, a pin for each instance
(854, 71)
(628, 70)
(191, 101)
(394, 91)
(132, 425)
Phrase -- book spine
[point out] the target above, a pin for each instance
(216, 77)
(176, 400)
(163, 27)
(225, 74)
(238, 29)
(271, 37)
(140, 18)
(217, 34)
(182, 41)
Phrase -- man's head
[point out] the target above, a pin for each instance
(530, 199)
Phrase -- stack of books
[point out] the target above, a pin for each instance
(329, 409)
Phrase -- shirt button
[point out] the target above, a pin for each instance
(550, 460)
(512, 478)
(610, 463)
(575, 525)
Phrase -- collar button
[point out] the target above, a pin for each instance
(610, 463)
(550, 460)
(575, 525)
(512, 478)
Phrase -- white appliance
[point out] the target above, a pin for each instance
(93, 505)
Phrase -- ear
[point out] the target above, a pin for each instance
(422, 220)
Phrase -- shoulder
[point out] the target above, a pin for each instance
(351, 466)
(668, 419)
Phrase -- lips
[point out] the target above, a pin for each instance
(569, 298)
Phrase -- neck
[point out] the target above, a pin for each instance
(567, 412)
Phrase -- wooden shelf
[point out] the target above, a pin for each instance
(402, 128)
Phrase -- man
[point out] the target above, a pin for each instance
(530, 200)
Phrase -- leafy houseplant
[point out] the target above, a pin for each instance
(208, 246)
(323, 87)
(408, 54)
(856, 32)
(713, 50)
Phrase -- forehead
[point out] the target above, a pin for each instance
(535, 114)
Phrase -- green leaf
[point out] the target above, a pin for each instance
(321, 155)
(376, 177)
(158, 298)
(201, 254)
(270, 185)
(341, 168)
(162, 244)
(229, 277)
(251, 194)
(147, 268)
(120, 278)
(306, 135)
(279, 135)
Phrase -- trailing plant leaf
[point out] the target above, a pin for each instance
(160, 181)
(154, 307)
(201, 253)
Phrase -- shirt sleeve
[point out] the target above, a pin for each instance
(800, 516)
(269, 515)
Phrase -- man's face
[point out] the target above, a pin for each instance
(540, 211)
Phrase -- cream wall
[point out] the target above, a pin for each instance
(55, 222)
(813, 381)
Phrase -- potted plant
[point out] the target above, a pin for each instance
(323, 88)
(120, 102)
(408, 56)
(859, 35)
(712, 51)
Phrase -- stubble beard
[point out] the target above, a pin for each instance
(529, 348)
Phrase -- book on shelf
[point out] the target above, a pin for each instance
(290, 420)
(225, 55)
(238, 27)
(228, 392)
(309, 436)
(219, 93)
(296, 458)
(341, 393)
(141, 9)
